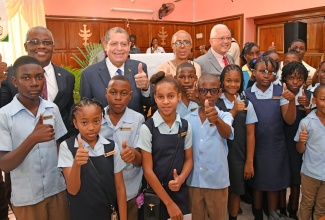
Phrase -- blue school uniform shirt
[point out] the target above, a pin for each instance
(145, 135)
(210, 152)
(37, 177)
(183, 110)
(268, 94)
(313, 164)
(250, 116)
(66, 158)
(127, 128)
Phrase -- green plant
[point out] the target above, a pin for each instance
(91, 52)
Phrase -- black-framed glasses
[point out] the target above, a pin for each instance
(213, 91)
(36, 42)
(179, 43)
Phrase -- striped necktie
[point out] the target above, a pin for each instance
(119, 71)
(44, 90)
(225, 60)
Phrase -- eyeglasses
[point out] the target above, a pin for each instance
(179, 43)
(222, 38)
(37, 42)
(267, 72)
(213, 91)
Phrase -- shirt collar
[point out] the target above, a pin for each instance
(17, 106)
(99, 145)
(255, 89)
(225, 98)
(112, 69)
(127, 117)
(48, 68)
(312, 114)
(217, 55)
(158, 120)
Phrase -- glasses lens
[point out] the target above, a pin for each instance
(214, 91)
(203, 91)
(47, 42)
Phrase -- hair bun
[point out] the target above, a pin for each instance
(155, 78)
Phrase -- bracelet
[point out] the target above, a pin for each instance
(308, 107)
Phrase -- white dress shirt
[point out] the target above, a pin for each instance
(51, 83)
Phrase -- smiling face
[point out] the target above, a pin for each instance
(87, 119)
(42, 52)
(220, 39)
(118, 95)
(167, 98)
(300, 47)
(118, 48)
(232, 82)
(29, 79)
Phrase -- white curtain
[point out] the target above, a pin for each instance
(22, 15)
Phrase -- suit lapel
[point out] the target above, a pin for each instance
(61, 82)
(214, 61)
(104, 74)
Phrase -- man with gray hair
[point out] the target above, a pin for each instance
(95, 78)
(217, 58)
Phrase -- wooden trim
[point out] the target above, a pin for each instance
(290, 16)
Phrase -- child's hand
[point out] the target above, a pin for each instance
(303, 136)
(175, 185)
(239, 105)
(308, 81)
(174, 212)
(127, 153)
(191, 94)
(43, 132)
(211, 113)
(82, 155)
(141, 79)
(248, 170)
(287, 94)
(303, 100)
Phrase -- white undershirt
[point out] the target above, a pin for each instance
(51, 83)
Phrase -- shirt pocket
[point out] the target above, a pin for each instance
(22, 191)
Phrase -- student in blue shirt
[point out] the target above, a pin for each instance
(186, 77)
(29, 130)
(122, 125)
(92, 167)
(242, 147)
(310, 139)
(159, 137)
(209, 180)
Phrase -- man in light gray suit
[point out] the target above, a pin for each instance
(95, 78)
(217, 58)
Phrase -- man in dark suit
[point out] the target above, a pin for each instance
(59, 82)
(217, 58)
(95, 78)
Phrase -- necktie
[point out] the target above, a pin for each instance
(225, 60)
(44, 90)
(119, 71)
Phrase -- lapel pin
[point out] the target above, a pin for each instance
(59, 74)
(129, 70)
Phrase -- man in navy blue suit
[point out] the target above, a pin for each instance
(95, 78)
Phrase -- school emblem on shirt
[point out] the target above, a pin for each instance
(47, 117)
(276, 97)
(110, 153)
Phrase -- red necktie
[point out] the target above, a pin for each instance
(225, 60)
(44, 90)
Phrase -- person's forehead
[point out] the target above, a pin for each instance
(222, 31)
(118, 37)
(39, 33)
(298, 44)
(119, 84)
(182, 35)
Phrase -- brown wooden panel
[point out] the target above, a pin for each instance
(268, 34)
(57, 59)
(59, 34)
(104, 26)
(313, 59)
(315, 37)
(160, 31)
(78, 27)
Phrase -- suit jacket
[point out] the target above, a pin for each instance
(95, 78)
(209, 64)
(64, 99)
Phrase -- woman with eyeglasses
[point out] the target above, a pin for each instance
(182, 45)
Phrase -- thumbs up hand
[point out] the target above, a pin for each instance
(308, 81)
(303, 100)
(175, 184)
(287, 94)
(82, 154)
(168, 73)
(191, 94)
(43, 132)
(303, 136)
(127, 153)
(141, 79)
(239, 105)
(3, 70)
(272, 47)
(211, 112)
